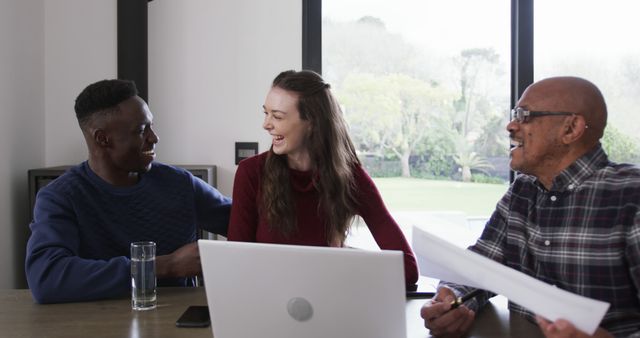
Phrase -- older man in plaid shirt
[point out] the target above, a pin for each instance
(571, 218)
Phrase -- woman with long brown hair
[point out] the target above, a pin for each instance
(310, 185)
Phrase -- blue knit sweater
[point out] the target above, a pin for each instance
(83, 226)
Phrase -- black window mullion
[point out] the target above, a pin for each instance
(521, 50)
(312, 35)
(132, 44)
(521, 47)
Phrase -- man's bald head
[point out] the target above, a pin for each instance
(576, 95)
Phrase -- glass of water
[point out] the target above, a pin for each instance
(143, 275)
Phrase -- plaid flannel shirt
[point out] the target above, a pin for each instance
(582, 235)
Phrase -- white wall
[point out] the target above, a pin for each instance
(21, 126)
(80, 48)
(210, 66)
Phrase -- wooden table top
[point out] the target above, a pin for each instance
(20, 316)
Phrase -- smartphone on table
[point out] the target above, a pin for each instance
(194, 316)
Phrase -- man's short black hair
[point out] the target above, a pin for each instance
(102, 95)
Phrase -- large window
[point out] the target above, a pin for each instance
(596, 42)
(426, 86)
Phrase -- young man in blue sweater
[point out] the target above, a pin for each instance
(85, 220)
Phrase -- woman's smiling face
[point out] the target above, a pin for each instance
(282, 121)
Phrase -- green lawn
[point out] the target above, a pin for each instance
(414, 194)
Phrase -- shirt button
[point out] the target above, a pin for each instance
(553, 198)
(547, 242)
(571, 186)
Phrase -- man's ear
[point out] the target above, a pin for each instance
(101, 138)
(574, 128)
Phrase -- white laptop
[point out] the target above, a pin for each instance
(288, 291)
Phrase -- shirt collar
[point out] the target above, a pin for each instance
(581, 169)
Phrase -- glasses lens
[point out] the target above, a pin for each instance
(518, 114)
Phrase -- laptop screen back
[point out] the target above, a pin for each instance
(287, 291)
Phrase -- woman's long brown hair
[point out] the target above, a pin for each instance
(333, 159)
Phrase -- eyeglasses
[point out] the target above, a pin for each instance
(522, 115)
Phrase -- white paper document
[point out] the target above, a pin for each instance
(440, 259)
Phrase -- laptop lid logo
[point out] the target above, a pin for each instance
(299, 309)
